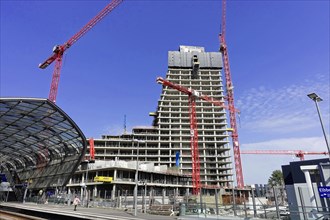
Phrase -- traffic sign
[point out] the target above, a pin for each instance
(324, 191)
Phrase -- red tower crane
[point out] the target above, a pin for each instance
(192, 94)
(230, 99)
(298, 153)
(59, 50)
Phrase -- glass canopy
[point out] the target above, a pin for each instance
(39, 143)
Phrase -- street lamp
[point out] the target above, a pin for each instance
(136, 175)
(145, 197)
(317, 99)
(86, 180)
(83, 184)
(234, 202)
(253, 201)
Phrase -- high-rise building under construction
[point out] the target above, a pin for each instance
(167, 141)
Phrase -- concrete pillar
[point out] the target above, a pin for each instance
(82, 193)
(216, 197)
(118, 199)
(125, 198)
(95, 192)
(175, 194)
(115, 174)
(201, 199)
(69, 196)
(88, 196)
(113, 192)
(150, 196)
(163, 196)
(306, 170)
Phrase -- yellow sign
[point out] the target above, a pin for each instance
(102, 179)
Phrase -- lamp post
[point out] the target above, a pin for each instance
(253, 201)
(145, 197)
(136, 175)
(83, 184)
(234, 202)
(317, 99)
(86, 180)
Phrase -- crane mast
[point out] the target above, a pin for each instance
(59, 50)
(230, 100)
(192, 95)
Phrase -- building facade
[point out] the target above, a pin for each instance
(307, 184)
(167, 140)
(110, 180)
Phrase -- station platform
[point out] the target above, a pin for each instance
(55, 211)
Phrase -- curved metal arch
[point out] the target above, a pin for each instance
(29, 160)
(33, 130)
(8, 165)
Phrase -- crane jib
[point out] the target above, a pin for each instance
(60, 49)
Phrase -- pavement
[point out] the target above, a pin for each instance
(83, 212)
(65, 211)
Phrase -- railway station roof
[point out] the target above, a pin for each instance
(39, 143)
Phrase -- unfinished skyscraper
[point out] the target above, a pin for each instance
(167, 141)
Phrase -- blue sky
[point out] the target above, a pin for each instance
(279, 52)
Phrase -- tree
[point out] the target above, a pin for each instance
(276, 179)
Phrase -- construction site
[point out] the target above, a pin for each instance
(186, 163)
